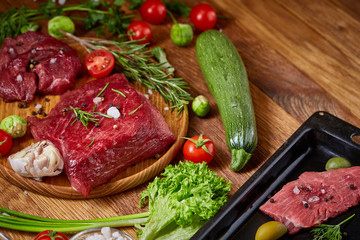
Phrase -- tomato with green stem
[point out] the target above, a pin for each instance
(153, 11)
(203, 16)
(199, 149)
(139, 30)
(5, 142)
(99, 63)
(50, 235)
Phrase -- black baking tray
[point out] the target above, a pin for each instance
(321, 137)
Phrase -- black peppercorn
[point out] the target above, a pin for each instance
(272, 200)
(352, 186)
(306, 205)
(33, 113)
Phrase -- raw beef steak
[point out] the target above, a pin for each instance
(36, 63)
(314, 197)
(96, 153)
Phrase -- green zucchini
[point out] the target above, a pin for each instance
(226, 77)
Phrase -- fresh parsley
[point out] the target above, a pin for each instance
(329, 232)
(101, 17)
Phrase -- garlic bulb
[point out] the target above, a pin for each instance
(38, 160)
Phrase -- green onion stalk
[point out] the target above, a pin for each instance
(25, 222)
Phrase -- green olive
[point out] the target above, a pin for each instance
(60, 22)
(181, 34)
(15, 125)
(337, 162)
(201, 106)
(271, 230)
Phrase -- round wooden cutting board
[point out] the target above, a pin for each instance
(59, 186)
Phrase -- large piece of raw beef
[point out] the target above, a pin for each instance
(36, 63)
(95, 154)
(314, 197)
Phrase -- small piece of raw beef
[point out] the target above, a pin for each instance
(96, 154)
(53, 64)
(314, 197)
(16, 83)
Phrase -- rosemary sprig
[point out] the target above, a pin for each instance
(103, 90)
(136, 62)
(93, 140)
(329, 232)
(133, 111)
(119, 92)
(85, 117)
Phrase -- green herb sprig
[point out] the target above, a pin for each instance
(136, 62)
(85, 117)
(101, 17)
(329, 232)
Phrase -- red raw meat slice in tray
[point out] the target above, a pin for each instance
(314, 197)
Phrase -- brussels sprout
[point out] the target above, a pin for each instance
(16, 126)
(60, 22)
(181, 34)
(201, 106)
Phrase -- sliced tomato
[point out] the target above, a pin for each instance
(5, 142)
(99, 63)
(50, 235)
(199, 149)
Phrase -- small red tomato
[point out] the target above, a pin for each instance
(199, 149)
(153, 11)
(138, 30)
(99, 63)
(203, 16)
(5, 142)
(50, 235)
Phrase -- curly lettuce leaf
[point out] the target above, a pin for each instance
(182, 200)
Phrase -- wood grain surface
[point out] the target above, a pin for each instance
(301, 57)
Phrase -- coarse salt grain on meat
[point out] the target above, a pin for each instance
(140, 132)
(314, 197)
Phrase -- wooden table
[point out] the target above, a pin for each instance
(301, 57)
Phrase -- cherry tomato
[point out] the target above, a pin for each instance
(50, 235)
(5, 142)
(99, 63)
(153, 11)
(203, 16)
(138, 30)
(199, 149)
